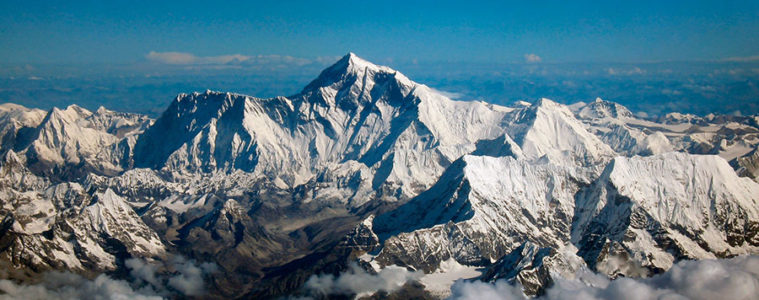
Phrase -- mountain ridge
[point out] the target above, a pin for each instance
(366, 167)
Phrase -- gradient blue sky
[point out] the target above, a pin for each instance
(461, 31)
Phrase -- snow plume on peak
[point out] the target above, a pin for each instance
(357, 281)
(147, 280)
(735, 278)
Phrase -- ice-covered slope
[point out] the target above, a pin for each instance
(482, 208)
(70, 143)
(600, 109)
(548, 130)
(534, 267)
(727, 136)
(651, 211)
(747, 165)
(14, 114)
(609, 121)
(16, 123)
(63, 227)
(356, 118)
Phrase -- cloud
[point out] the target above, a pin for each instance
(59, 285)
(189, 59)
(532, 58)
(359, 282)
(179, 274)
(189, 277)
(450, 95)
(183, 58)
(280, 59)
(178, 277)
(142, 271)
(754, 58)
(479, 290)
(736, 278)
(327, 60)
(172, 58)
(632, 71)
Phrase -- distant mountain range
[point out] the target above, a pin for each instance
(367, 171)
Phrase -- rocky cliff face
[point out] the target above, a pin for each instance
(63, 227)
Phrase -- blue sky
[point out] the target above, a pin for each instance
(383, 31)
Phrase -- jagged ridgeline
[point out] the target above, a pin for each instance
(367, 168)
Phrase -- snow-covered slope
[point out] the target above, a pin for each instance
(16, 123)
(727, 136)
(276, 190)
(481, 209)
(61, 226)
(399, 132)
(609, 121)
(747, 165)
(70, 143)
(548, 130)
(534, 267)
(651, 211)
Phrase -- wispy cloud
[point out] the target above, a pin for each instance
(532, 58)
(183, 58)
(754, 58)
(177, 278)
(189, 59)
(451, 95)
(327, 59)
(625, 71)
(356, 281)
(735, 278)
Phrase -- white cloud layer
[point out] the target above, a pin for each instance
(357, 281)
(623, 71)
(184, 58)
(754, 58)
(189, 276)
(532, 58)
(179, 277)
(736, 278)
(59, 285)
(451, 95)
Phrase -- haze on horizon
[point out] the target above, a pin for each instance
(655, 57)
(64, 32)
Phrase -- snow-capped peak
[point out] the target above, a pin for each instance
(354, 62)
(600, 109)
(522, 103)
(353, 70)
(549, 130)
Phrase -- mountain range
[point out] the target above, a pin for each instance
(365, 170)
